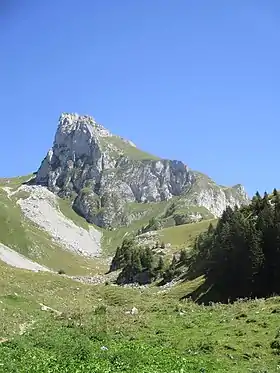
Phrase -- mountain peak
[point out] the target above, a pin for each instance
(73, 121)
(105, 174)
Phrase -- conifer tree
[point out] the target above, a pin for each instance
(173, 263)
(211, 229)
(183, 256)
(136, 262)
(160, 266)
(147, 258)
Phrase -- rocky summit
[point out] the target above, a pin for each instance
(110, 181)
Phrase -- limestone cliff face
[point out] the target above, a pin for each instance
(103, 173)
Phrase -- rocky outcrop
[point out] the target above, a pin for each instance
(205, 193)
(102, 173)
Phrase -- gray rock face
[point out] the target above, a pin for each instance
(103, 173)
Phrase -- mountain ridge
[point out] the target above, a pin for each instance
(102, 173)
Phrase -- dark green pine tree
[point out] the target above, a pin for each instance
(223, 260)
(116, 261)
(211, 229)
(235, 258)
(255, 258)
(173, 263)
(276, 252)
(127, 255)
(136, 262)
(265, 226)
(122, 255)
(276, 204)
(133, 266)
(183, 256)
(256, 204)
(223, 221)
(160, 265)
(127, 243)
(147, 258)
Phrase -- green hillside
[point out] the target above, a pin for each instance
(95, 333)
(183, 236)
(28, 239)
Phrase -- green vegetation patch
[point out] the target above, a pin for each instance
(112, 239)
(65, 206)
(15, 182)
(129, 150)
(184, 235)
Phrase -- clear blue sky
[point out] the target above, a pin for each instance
(194, 80)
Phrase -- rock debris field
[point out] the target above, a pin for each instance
(41, 208)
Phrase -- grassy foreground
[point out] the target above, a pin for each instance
(89, 328)
(91, 331)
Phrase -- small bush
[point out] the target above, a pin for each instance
(275, 345)
(61, 272)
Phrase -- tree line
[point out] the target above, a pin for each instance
(241, 256)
